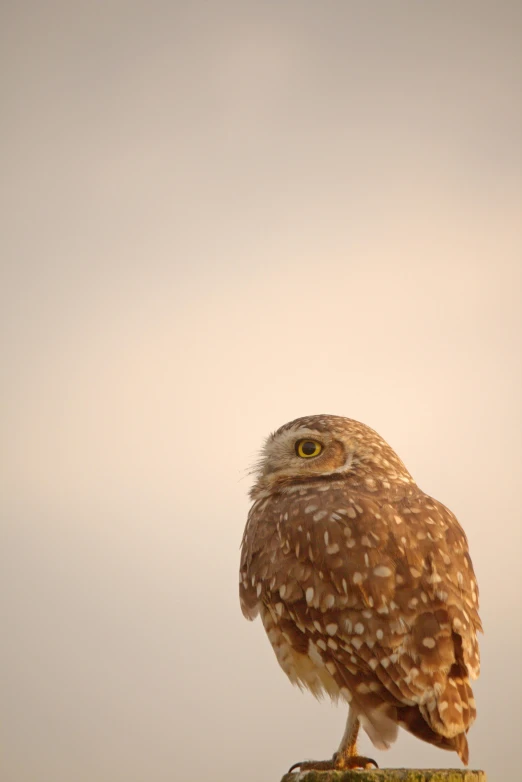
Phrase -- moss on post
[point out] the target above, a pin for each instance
(388, 775)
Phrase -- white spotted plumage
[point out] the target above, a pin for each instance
(364, 583)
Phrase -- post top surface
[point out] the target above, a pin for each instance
(389, 775)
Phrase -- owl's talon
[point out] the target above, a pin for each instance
(359, 761)
(313, 765)
(337, 763)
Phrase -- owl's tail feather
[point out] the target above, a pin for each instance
(461, 747)
(411, 719)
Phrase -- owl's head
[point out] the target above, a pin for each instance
(327, 447)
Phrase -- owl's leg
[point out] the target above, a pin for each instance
(346, 756)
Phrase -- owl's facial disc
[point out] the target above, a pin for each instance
(302, 453)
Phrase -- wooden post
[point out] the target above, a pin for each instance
(388, 775)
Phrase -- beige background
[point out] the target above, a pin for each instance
(217, 217)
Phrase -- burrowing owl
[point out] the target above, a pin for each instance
(364, 585)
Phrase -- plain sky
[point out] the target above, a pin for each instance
(217, 217)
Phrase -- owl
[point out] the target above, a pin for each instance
(364, 585)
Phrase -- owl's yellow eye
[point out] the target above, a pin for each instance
(307, 449)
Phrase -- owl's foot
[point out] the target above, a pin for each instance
(339, 762)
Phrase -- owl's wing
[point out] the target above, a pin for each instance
(417, 641)
(429, 649)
